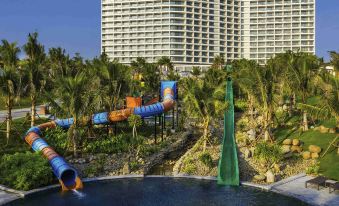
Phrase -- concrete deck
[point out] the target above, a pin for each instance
(6, 197)
(296, 188)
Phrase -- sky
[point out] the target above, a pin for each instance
(75, 24)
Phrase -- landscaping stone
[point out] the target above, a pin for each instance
(286, 149)
(296, 142)
(126, 169)
(306, 155)
(287, 142)
(270, 177)
(247, 153)
(259, 177)
(314, 149)
(296, 149)
(315, 155)
(332, 130)
(323, 129)
(276, 168)
(251, 134)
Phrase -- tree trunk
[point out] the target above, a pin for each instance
(290, 110)
(33, 112)
(205, 136)
(305, 122)
(74, 136)
(9, 119)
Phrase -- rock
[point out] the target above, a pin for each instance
(247, 153)
(285, 149)
(259, 177)
(332, 130)
(296, 142)
(306, 155)
(126, 169)
(323, 129)
(251, 134)
(296, 149)
(270, 177)
(276, 168)
(315, 155)
(287, 142)
(314, 149)
(288, 155)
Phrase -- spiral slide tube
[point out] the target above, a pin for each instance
(66, 174)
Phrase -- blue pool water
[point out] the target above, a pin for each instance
(154, 191)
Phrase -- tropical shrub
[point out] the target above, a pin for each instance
(58, 139)
(189, 166)
(206, 159)
(25, 171)
(313, 169)
(111, 144)
(268, 153)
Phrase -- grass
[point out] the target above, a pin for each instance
(329, 164)
(23, 102)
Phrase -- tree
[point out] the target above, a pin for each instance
(335, 60)
(302, 69)
(196, 72)
(134, 121)
(9, 80)
(329, 107)
(204, 103)
(165, 64)
(151, 77)
(35, 62)
(218, 62)
(78, 99)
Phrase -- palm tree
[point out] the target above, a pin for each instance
(165, 64)
(204, 103)
(218, 62)
(78, 99)
(335, 61)
(329, 107)
(302, 69)
(35, 59)
(196, 72)
(9, 80)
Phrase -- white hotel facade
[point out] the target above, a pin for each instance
(192, 32)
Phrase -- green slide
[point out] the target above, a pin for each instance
(228, 170)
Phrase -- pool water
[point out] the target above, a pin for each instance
(154, 191)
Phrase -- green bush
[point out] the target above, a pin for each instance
(240, 105)
(268, 153)
(313, 169)
(111, 144)
(189, 166)
(206, 159)
(58, 139)
(134, 165)
(25, 171)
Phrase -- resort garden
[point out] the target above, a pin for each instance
(286, 116)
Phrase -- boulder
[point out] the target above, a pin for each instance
(315, 155)
(285, 149)
(314, 149)
(332, 130)
(259, 177)
(276, 168)
(126, 169)
(323, 129)
(296, 149)
(287, 142)
(270, 177)
(296, 142)
(306, 155)
(247, 153)
(251, 134)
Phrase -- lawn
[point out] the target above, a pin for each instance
(329, 164)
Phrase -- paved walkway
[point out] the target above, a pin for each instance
(6, 197)
(16, 113)
(295, 187)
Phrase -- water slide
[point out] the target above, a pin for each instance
(65, 173)
(228, 170)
